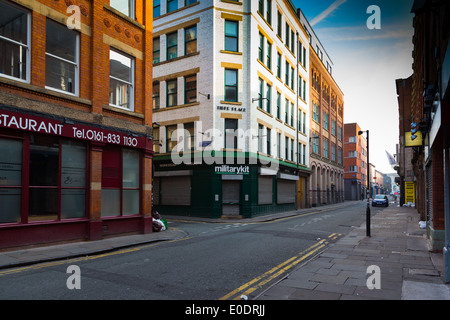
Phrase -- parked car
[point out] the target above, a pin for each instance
(380, 200)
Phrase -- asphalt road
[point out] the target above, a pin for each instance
(216, 261)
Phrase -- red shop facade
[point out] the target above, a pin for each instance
(63, 180)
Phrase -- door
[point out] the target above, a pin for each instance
(231, 197)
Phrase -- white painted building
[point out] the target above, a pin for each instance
(235, 76)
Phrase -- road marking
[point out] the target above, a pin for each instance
(275, 272)
(86, 258)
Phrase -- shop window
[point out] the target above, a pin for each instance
(121, 80)
(43, 181)
(10, 180)
(14, 41)
(120, 182)
(61, 58)
(57, 179)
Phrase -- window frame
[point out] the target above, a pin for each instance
(76, 64)
(132, 78)
(27, 46)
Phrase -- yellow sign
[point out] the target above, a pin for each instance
(409, 142)
(409, 192)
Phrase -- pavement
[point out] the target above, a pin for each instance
(398, 247)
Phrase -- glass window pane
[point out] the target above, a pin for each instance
(230, 77)
(130, 175)
(231, 44)
(110, 202)
(13, 22)
(61, 41)
(191, 33)
(119, 93)
(172, 39)
(73, 164)
(230, 94)
(123, 6)
(59, 74)
(10, 200)
(13, 60)
(10, 162)
(43, 204)
(130, 202)
(231, 28)
(120, 66)
(73, 203)
(44, 160)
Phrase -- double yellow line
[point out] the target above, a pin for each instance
(275, 272)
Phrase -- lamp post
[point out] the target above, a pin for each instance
(368, 185)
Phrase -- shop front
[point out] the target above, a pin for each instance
(61, 179)
(224, 190)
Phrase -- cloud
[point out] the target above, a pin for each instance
(327, 12)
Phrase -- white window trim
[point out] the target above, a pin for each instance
(27, 46)
(76, 93)
(131, 108)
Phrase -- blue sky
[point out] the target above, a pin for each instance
(367, 62)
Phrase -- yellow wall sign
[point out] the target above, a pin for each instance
(409, 192)
(417, 142)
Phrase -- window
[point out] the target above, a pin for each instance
(261, 7)
(316, 112)
(189, 136)
(189, 2)
(172, 92)
(268, 98)
(120, 182)
(325, 121)
(190, 87)
(260, 137)
(315, 143)
(171, 138)
(286, 148)
(268, 139)
(156, 143)
(190, 38)
(269, 55)
(279, 24)
(156, 100)
(287, 73)
(260, 93)
(124, 6)
(172, 45)
(156, 8)
(292, 115)
(278, 105)
(279, 144)
(172, 5)
(11, 177)
(261, 48)
(231, 126)
(156, 50)
(14, 42)
(269, 12)
(61, 58)
(50, 179)
(286, 111)
(278, 65)
(231, 83)
(333, 152)
(287, 30)
(292, 78)
(121, 80)
(231, 35)
(325, 148)
(333, 127)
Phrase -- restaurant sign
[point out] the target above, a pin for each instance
(68, 129)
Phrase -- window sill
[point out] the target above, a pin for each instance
(41, 90)
(176, 59)
(123, 111)
(123, 16)
(175, 11)
(231, 52)
(176, 107)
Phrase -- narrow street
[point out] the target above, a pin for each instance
(216, 261)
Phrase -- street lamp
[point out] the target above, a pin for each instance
(368, 185)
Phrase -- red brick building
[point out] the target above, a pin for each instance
(355, 163)
(75, 119)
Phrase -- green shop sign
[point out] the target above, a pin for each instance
(226, 169)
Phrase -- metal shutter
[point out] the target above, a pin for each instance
(176, 191)
(231, 193)
(286, 191)
(265, 189)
